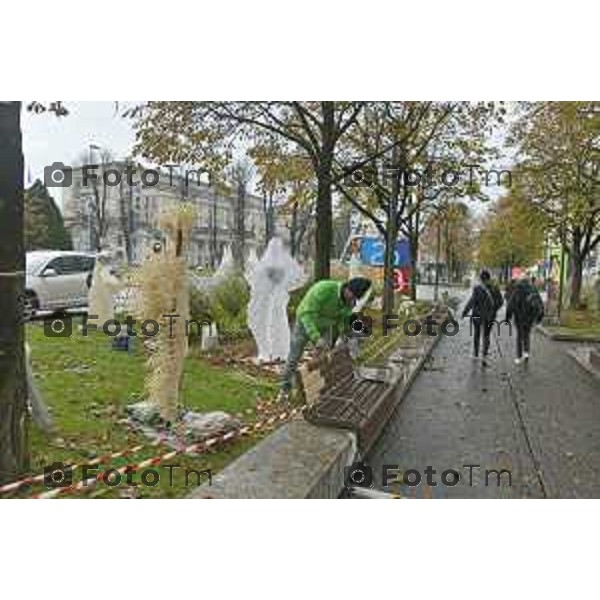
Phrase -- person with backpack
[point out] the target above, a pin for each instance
(510, 287)
(526, 308)
(483, 305)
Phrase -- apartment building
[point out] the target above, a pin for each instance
(133, 211)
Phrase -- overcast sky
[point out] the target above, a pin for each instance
(48, 139)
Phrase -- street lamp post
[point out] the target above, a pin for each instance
(91, 237)
(440, 209)
(437, 259)
(561, 276)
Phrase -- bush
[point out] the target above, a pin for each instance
(200, 307)
(226, 305)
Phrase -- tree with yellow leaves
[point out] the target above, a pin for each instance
(512, 234)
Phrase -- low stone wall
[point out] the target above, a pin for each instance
(299, 460)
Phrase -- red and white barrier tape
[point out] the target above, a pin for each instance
(15, 485)
(193, 448)
(262, 407)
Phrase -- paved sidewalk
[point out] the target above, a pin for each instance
(540, 421)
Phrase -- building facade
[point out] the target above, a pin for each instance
(102, 208)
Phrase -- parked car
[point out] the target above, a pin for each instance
(56, 280)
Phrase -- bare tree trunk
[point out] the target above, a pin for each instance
(388, 267)
(293, 231)
(390, 242)
(13, 384)
(240, 226)
(576, 272)
(125, 206)
(414, 249)
(324, 182)
(214, 259)
(268, 210)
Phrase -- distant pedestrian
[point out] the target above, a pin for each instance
(526, 308)
(483, 305)
(510, 288)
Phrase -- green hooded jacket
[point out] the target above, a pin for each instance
(323, 308)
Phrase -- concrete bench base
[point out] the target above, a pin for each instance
(299, 460)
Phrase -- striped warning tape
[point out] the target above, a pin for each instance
(193, 448)
(263, 406)
(15, 485)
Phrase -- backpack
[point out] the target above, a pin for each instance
(497, 297)
(493, 300)
(534, 305)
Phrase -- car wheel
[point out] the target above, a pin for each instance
(31, 305)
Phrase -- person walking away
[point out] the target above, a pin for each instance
(526, 308)
(320, 319)
(483, 305)
(510, 288)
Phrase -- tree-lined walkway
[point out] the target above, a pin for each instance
(540, 421)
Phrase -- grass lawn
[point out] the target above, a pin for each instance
(87, 385)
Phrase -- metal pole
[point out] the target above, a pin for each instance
(561, 276)
(437, 258)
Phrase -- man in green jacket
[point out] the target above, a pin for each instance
(320, 318)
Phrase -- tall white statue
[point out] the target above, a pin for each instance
(104, 286)
(227, 265)
(251, 263)
(271, 281)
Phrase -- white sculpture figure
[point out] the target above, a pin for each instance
(227, 265)
(271, 281)
(355, 266)
(104, 286)
(251, 263)
(165, 291)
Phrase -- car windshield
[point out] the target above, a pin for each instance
(34, 262)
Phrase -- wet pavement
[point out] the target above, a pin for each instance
(540, 421)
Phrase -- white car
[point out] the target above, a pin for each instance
(56, 280)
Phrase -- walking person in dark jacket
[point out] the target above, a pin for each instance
(483, 305)
(527, 309)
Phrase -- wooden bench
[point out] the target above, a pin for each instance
(338, 395)
(362, 399)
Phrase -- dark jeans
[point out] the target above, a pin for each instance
(523, 338)
(481, 328)
(298, 342)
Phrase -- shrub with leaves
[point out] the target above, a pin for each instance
(226, 305)
(229, 301)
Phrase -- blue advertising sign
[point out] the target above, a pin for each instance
(372, 252)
